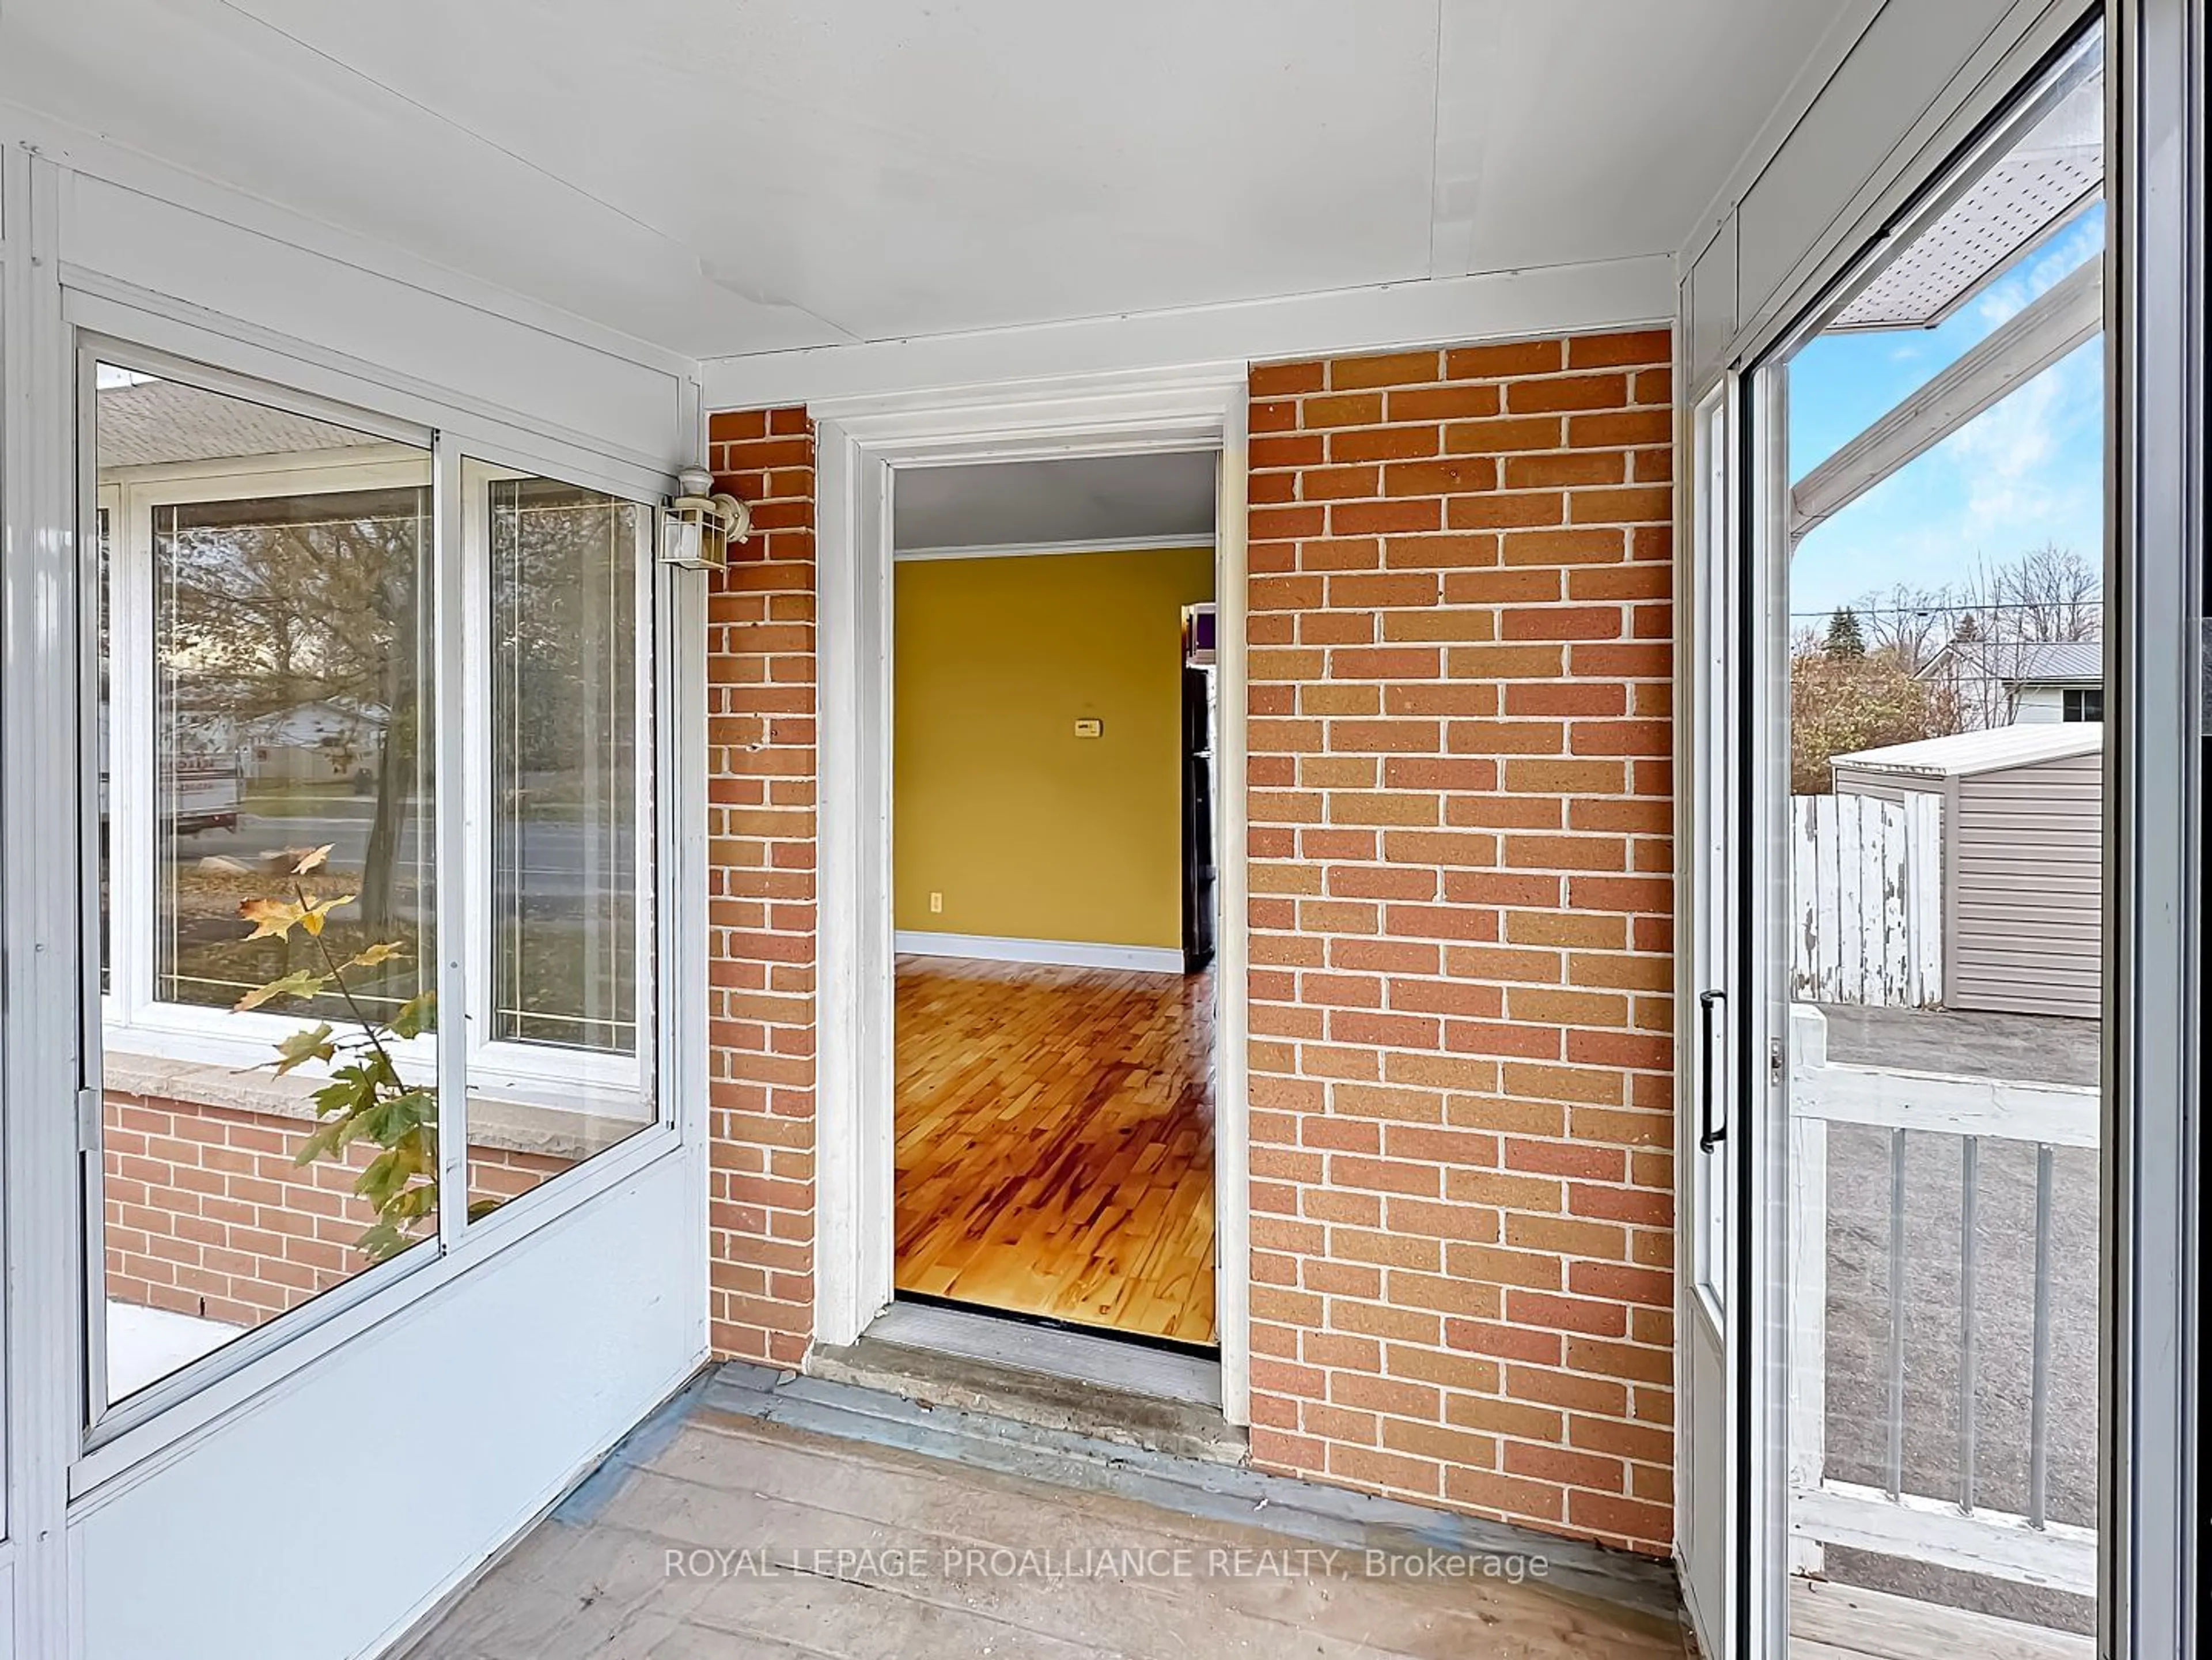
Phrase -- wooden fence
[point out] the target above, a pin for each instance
(1867, 883)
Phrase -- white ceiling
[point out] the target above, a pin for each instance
(727, 176)
(1092, 498)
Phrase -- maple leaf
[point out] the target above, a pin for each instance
(316, 912)
(270, 917)
(382, 951)
(298, 983)
(309, 1044)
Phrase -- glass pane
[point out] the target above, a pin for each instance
(292, 637)
(567, 1070)
(269, 1063)
(1946, 667)
(101, 533)
(1716, 940)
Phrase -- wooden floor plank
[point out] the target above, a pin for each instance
(640, 1566)
(1870, 1624)
(1055, 1142)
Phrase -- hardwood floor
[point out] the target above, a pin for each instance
(1055, 1142)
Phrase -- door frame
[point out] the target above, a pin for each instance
(860, 443)
(2152, 1425)
(1708, 959)
(2154, 1408)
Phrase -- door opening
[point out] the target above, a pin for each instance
(1054, 893)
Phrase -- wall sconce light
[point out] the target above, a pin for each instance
(697, 528)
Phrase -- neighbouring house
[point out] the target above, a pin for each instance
(2022, 859)
(1999, 683)
(316, 742)
(313, 742)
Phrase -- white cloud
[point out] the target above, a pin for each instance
(2040, 272)
(2024, 472)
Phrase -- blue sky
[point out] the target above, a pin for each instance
(2028, 471)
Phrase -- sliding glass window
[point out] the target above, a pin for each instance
(268, 1103)
(304, 716)
(562, 1016)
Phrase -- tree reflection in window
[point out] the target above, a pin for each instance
(293, 652)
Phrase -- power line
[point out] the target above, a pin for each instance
(2042, 606)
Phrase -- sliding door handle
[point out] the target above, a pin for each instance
(1709, 1135)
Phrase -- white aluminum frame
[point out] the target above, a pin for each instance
(859, 442)
(2151, 1507)
(1717, 715)
(40, 743)
(116, 1439)
(538, 1073)
(1711, 1313)
(136, 1019)
(1766, 1435)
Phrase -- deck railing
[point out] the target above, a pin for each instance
(1949, 1529)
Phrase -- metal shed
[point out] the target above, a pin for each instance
(2023, 859)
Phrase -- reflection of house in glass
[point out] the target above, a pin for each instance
(217, 757)
(312, 743)
(266, 722)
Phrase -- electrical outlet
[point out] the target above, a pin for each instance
(936, 904)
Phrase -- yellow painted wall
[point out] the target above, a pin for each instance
(1029, 831)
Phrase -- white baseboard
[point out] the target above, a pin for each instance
(1064, 954)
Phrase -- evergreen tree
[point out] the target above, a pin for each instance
(1845, 637)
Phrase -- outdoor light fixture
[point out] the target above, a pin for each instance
(697, 528)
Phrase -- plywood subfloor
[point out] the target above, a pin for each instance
(1055, 1142)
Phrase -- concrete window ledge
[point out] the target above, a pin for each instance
(508, 1126)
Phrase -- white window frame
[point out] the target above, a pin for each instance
(671, 842)
(539, 1074)
(1716, 726)
(136, 1019)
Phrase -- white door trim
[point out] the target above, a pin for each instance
(858, 444)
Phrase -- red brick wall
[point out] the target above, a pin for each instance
(1462, 1093)
(761, 897)
(206, 1213)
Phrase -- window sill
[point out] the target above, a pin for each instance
(509, 1126)
(189, 1403)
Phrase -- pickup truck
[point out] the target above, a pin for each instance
(201, 795)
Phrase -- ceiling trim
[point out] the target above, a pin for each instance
(1578, 299)
(1835, 45)
(1029, 550)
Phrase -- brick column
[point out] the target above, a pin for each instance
(1462, 1184)
(761, 895)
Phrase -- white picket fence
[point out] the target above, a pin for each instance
(1867, 883)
